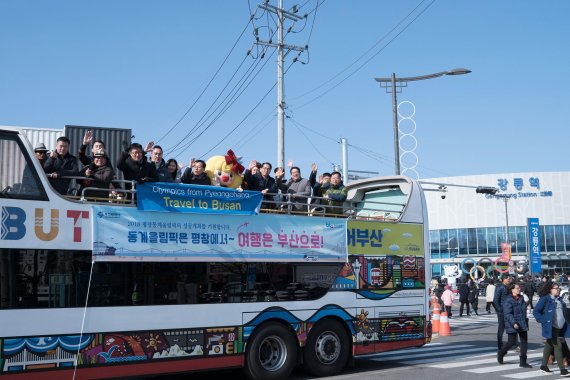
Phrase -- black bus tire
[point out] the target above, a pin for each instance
(271, 353)
(327, 350)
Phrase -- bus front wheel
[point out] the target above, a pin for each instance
(327, 350)
(271, 353)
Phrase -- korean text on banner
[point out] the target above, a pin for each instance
(175, 197)
(534, 245)
(128, 234)
(373, 238)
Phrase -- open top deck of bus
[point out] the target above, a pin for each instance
(108, 287)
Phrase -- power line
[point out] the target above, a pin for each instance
(317, 133)
(242, 120)
(254, 131)
(210, 82)
(232, 93)
(365, 62)
(249, 113)
(235, 96)
(310, 142)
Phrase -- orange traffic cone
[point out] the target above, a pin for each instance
(444, 329)
(435, 317)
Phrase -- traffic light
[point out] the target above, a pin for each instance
(486, 190)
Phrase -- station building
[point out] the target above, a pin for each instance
(467, 225)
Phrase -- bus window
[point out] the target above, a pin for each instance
(385, 203)
(18, 177)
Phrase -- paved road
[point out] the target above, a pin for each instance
(468, 354)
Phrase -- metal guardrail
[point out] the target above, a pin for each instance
(290, 204)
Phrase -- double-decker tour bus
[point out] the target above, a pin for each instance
(190, 278)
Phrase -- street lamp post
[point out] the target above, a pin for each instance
(394, 84)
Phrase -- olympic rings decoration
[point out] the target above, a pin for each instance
(477, 268)
(485, 260)
(497, 268)
(462, 265)
(497, 265)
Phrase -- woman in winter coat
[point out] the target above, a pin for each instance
(514, 310)
(550, 311)
(173, 173)
(447, 298)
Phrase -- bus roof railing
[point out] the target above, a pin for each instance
(291, 204)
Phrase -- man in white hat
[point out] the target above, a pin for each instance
(99, 174)
(40, 151)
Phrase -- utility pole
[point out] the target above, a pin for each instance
(344, 160)
(281, 47)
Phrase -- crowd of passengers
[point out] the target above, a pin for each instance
(97, 172)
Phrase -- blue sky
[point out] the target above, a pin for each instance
(142, 64)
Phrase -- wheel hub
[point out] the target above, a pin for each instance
(327, 347)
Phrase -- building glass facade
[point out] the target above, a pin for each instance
(486, 242)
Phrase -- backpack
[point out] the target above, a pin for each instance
(472, 295)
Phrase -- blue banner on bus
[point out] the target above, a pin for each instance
(534, 245)
(176, 197)
(131, 235)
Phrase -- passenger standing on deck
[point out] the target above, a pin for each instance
(550, 311)
(135, 167)
(297, 187)
(61, 163)
(195, 174)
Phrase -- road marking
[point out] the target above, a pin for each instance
(430, 354)
(481, 361)
(496, 368)
(531, 374)
(432, 359)
(424, 349)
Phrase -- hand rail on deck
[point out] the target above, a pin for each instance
(291, 204)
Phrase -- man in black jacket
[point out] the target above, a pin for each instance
(135, 167)
(262, 182)
(529, 289)
(500, 295)
(61, 164)
(195, 174)
(464, 298)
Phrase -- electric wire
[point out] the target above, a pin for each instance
(210, 82)
(227, 106)
(248, 114)
(242, 120)
(368, 60)
(311, 143)
(254, 131)
(207, 114)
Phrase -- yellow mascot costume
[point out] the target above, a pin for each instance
(225, 170)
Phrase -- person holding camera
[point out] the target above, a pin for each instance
(98, 174)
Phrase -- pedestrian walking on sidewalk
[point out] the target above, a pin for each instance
(463, 297)
(489, 295)
(473, 298)
(530, 289)
(514, 311)
(550, 311)
(500, 295)
(447, 298)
